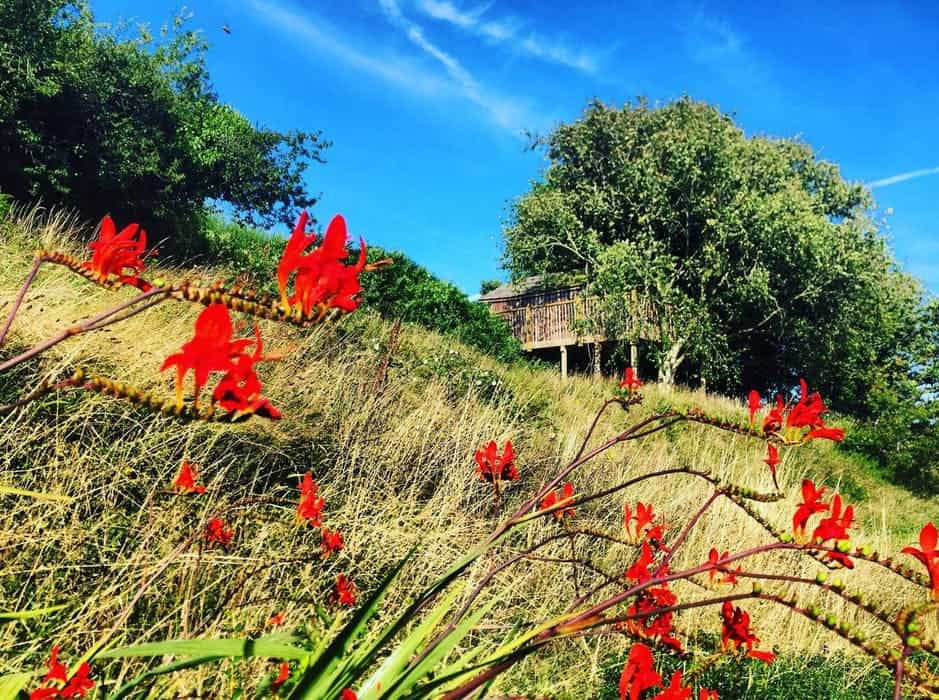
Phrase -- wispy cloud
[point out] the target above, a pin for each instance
(506, 112)
(507, 30)
(903, 177)
(319, 36)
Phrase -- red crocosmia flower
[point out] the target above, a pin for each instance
(639, 571)
(348, 694)
(310, 507)
(75, 687)
(553, 499)
(276, 620)
(835, 434)
(675, 690)
(772, 461)
(210, 350)
(643, 517)
(217, 533)
(112, 253)
(754, 402)
(321, 278)
(332, 542)
(638, 673)
(240, 388)
(282, 677)
(811, 504)
(774, 419)
(835, 527)
(344, 593)
(630, 381)
(705, 694)
(735, 632)
(928, 555)
(646, 619)
(493, 467)
(722, 573)
(185, 481)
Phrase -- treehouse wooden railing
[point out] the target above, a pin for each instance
(571, 321)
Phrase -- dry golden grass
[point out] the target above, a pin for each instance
(396, 469)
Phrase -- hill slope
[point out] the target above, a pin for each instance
(395, 463)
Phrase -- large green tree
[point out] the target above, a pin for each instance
(105, 122)
(762, 262)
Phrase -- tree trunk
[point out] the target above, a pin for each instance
(670, 363)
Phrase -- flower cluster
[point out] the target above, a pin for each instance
(494, 467)
(113, 253)
(834, 527)
(321, 277)
(185, 481)
(213, 350)
(558, 500)
(721, 573)
(794, 424)
(639, 675)
(635, 525)
(217, 532)
(57, 684)
(630, 383)
(928, 555)
(310, 511)
(736, 634)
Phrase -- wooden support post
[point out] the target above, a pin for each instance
(633, 356)
(597, 349)
(563, 362)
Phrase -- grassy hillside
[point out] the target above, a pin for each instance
(396, 469)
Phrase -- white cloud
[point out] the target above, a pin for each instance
(506, 112)
(903, 177)
(321, 37)
(505, 30)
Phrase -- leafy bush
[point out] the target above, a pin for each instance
(145, 139)
(409, 292)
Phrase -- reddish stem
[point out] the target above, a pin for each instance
(37, 262)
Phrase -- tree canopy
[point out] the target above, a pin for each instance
(765, 264)
(132, 127)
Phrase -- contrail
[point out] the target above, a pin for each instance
(903, 177)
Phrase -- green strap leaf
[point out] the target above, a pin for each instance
(125, 689)
(265, 647)
(13, 684)
(28, 614)
(35, 494)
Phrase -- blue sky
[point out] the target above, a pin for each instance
(426, 101)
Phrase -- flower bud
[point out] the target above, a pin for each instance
(913, 642)
(821, 577)
(844, 546)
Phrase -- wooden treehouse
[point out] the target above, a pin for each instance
(544, 318)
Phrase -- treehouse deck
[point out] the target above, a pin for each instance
(543, 318)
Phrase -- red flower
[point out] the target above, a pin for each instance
(282, 677)
(113, 252)
(755, 403)
(74, 687)
(705, 694)
(645, 616)
(772, 460)
(630, 381)
(332, 542)
(638, 673)
(348, 694)
(790, 424)
(835, 527)
(811, 504)
(675, 690)
(643, 517)
(321, 276)
(240, 388)
(216, 532)
(928, 555)
(210, 350)
(735, 632)
(310, 507)
(726, 575)
(276, 620)
(345, 591)
(185, 481)
(553, 499)
(493, 467)
(639, 571)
